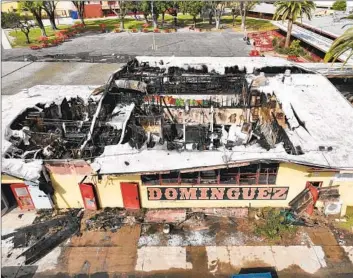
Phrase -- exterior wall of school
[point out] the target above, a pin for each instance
(346, 192)
(66, 179)
(289, 175)
(67, 192)
(109, 190)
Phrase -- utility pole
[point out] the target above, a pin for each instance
(154, 42)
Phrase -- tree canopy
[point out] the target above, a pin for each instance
(343, 44)
(291, 11)
(339, 5)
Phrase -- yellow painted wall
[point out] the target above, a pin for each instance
(346, 192)
(9, 6)
(289, 175)
(108, 189)
(67, 191)
(9, 179)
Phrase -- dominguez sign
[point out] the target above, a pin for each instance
(217, 193)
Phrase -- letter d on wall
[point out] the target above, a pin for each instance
(154, 193)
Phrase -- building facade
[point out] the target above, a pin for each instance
(180, 133)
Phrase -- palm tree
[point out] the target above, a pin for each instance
(341, 45)
(291, 11)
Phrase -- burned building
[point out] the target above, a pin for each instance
(147, 105)
(185, 121)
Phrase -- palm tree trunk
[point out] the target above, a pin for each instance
(233, 15)
(194, 17)
(289, 32)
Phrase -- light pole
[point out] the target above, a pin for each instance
(154, 42)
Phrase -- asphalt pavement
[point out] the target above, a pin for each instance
(16, 76)
(119, 47)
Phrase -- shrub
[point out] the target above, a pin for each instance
(145, 30)
(274, 226)
(339, 5)
(275, 42)
(282, 50)
(295, 48)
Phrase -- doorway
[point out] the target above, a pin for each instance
(22, 196)
(8, 200)
(89, 196)
(130, 194)
(316, 184)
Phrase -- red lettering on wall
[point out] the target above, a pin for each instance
(280, 193)
(264, 193)
(154, 193)
(217, 193)
(203, 195)
(233, 193)
(171, 194)
(188, 193)
(249, 193)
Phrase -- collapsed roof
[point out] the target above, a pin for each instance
(186, 112)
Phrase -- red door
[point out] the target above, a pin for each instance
(88, 197)
(130, 194)
(23, 198)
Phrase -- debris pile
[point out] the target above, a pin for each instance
(43, 236)
(146, 105)
(110, 219)
(305, 201)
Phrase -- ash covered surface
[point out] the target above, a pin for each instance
(198, 230)
(154, 107)
(48, 231)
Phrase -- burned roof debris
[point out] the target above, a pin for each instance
(144, 105)
(43, 236)
(189, 112)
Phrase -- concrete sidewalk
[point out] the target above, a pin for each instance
(116, 254)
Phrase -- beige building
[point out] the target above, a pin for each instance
(189, 132)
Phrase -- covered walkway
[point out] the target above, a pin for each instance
(309, 37)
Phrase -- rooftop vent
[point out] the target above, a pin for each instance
(322, 148)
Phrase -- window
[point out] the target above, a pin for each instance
(150, 179)
(209, 177)
(268, 173)
(192, 177)
(246, 175)
(172, 177)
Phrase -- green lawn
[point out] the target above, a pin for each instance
(130, 23)
(34, 34)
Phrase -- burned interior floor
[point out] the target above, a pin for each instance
(158, 107)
